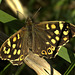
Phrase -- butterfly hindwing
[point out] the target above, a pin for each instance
(41, 46)
(11, 48)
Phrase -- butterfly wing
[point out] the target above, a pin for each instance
(45, 39)
(11, 48)
(49, 36)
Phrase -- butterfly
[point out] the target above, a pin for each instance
(44, 39)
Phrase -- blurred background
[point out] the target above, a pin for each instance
(51, 10)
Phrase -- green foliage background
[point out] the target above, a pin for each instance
(51, 10)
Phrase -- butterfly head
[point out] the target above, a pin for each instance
(29, 21)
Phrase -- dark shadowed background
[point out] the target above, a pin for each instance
(51, 10)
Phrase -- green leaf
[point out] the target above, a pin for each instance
(10, 21)
(3, 71)
(0, 1)
(70, 68)
(4, 17)
(63, 53)
(20, 69)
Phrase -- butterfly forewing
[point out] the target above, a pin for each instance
(51, 35)
(11, 48)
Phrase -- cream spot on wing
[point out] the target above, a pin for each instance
(47, 26)
(15, 51)
(16, 59)
(53, 26)
(49, 36)
(57, 38)
(4, 49)
(67, 27)
(65, 38)
(38, 47)
(60, 25)
(18, 35)
(47, 43)
(21, 57)
(5, 52)
(20, 46)
(9, 56)
(14, 45)
(8, 51)
(65, 32)
(8, 42)
(18, 52)
(56, 32)
(14, 39)
(53, 41)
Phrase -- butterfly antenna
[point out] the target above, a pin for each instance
(36, 12)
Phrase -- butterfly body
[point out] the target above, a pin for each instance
(44, 39)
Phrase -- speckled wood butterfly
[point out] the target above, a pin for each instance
(44, 39)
